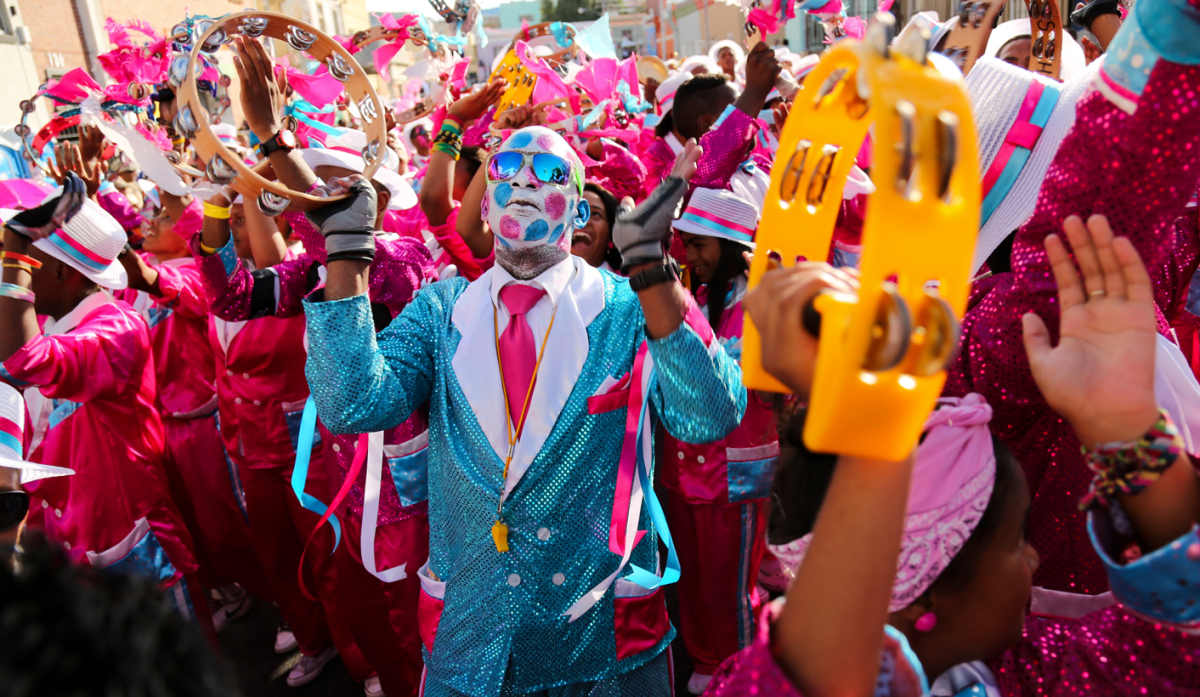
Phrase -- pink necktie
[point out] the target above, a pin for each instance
(518, 353)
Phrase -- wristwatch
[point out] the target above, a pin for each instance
(665, 272)
(282, 140)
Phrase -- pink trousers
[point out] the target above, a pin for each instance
(720, 547)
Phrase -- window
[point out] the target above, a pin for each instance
(321, 17)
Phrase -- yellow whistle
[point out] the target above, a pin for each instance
(882, 357)
(500, 536)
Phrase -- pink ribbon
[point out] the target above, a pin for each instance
(317, 89)
(549, 85)
(384, 54)
(627, 468)
(73, 87)
(1021, 134)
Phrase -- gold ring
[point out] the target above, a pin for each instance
(1098, 293)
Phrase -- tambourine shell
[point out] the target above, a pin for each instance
(185, 123)
(371, 152)
(200, 27)
(28, 106)
(180, 34)
(178, 70)
(214, 41)
(891, 332)
(220, 172)
(252, 26)
(299, 39)
(338, 68)
(271, 203)
(935, 339)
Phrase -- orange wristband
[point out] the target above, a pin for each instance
(21, 257)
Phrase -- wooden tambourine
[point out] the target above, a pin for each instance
(882, 358)
(416, 37)
(1046, 28)
(967, 41)
(225, 167)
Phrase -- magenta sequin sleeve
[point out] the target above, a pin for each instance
(1107, 652)
(753, 671)
(400, 268)
(619, 172)
(182, 289)
(236, 294)
(725, 148)
(1139, 170)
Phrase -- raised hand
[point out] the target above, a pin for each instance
(1100, 377)
(263, 95)
(474, 104)
(640, 233)
(91, 144)
(68, 159)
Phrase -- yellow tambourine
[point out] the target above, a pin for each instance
(882, 357)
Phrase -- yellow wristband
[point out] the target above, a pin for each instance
(214, 211)
(208, 250)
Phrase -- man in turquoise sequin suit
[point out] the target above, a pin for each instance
(544, 574)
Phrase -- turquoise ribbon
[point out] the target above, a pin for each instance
(648, 579)
(302, 108)
(304, 444)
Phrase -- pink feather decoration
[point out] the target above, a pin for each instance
(833, 7)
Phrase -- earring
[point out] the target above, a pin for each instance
(926, 622)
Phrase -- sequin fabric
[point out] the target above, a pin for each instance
(1139, 170)
(658, 159)
(753, 671)
(400, 267)
(502, 622)
(619, 172)
(651, 680)
(725, 148)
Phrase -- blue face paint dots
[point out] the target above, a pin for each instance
(537, 230)
(503, 193)
(558, 231)
(520, 140)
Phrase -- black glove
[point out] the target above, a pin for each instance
(38, 223)
(640, 233)
(349, 224)
(1087, 14)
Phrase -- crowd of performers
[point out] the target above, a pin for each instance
(467, 453)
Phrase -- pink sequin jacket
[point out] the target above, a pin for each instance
(740, 466)
(1141, 178)
(90, 391)
(400, 268)
(1138, 646)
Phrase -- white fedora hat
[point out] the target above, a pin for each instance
(344, 149)
(89, 243)
(720, 213)
(12, 433)
(1020, 120)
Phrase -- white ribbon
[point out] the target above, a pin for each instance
(371, 512)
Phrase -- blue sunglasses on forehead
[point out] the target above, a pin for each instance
(547, 168)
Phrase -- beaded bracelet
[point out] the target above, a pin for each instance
(19, 265)
(12, 290)
(447, 148)
(212, 210)
(21, 257)
(1130, 467)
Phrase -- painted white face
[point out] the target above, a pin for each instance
(526, 211)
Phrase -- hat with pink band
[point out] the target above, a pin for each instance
(12, 421)
(1020, 120)
(720, 213)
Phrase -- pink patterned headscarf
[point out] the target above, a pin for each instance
(951, 485)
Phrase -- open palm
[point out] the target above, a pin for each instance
(1100, 376)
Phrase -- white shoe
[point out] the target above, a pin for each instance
(285, 641)
(698, 683)
(371, 687)
(310, 667)
(229, 603)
